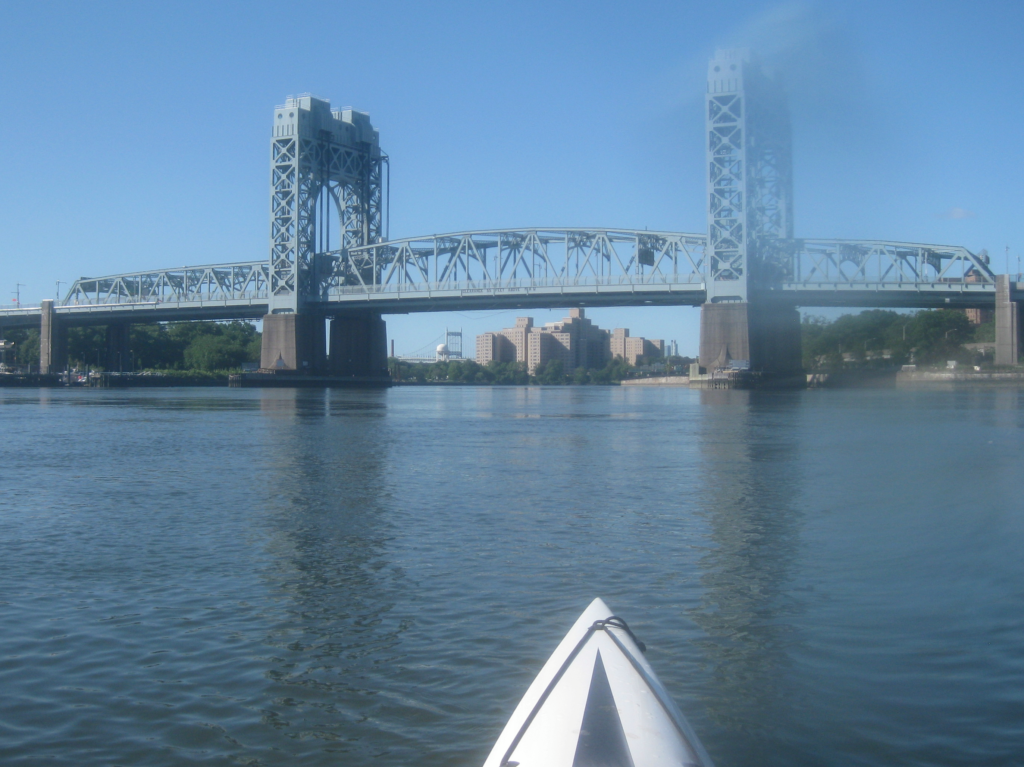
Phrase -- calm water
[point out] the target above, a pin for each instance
(226, 577)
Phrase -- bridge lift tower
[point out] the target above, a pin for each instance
(326, 167)
(750, 214)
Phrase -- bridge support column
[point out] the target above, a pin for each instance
(119, 348)
(53, 341)
(359, 345)
(1007, 324)
(294, 342)
(765, 336)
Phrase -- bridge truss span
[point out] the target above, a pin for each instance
(549, 267)
(543, 261)
(213, 284)
(823, 272)
(878, 261)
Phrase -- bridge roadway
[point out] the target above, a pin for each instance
(535, 268)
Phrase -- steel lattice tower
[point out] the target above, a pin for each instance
(750, 186)
(325, 167)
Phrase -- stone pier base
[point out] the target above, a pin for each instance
(765, 337)
(293, 342)
(298, 342)
(1007, 324)
(359, 345)
(53, 341)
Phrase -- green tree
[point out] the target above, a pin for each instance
(550, 374)
(87, 346)
(985, 332)
(880, 337)
(508, 373)
(220, 347)
(26, 346)
(165, 346)
(208, 352)
(939, 335)
(862, 336)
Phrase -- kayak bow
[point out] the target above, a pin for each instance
(597, 703)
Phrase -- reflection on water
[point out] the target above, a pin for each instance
(340, 577)
(327, 490)
(751, 472)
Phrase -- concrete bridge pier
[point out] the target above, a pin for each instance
(295, 342)
(119, 347)
(359, 345)
(53, 340)
(298, 342)
(764, 335)
(1007, 324)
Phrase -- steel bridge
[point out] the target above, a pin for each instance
(327, 168)
(495, 269)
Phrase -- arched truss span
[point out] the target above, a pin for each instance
(615, 265)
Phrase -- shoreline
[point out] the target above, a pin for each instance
(848, 379)
(974, 378)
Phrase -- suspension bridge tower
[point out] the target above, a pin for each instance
(326, 195)
(750, 221)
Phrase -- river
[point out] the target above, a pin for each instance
(279, 577)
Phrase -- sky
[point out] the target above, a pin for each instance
(137, 134)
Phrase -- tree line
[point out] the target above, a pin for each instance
(552, 373)
(872, 338)
(884, 338)
(205, 346)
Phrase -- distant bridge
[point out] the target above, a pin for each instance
(330, 255)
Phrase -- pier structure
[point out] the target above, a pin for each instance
(744, 322)
(327, 179)
(1008, 311)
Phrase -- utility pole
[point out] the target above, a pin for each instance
(59, 283)
(17, 293)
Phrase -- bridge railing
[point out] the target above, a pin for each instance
(187, 284)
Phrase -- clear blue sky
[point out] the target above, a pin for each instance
(136, 134)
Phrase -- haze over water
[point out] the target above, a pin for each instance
(226, 577)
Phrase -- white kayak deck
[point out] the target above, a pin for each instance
(597, 703)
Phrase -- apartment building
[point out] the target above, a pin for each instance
(575, 341)
(494, 347)
(551, 343)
